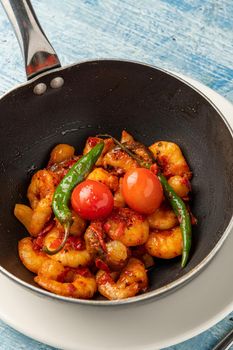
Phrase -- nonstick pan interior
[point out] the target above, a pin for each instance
(109, 96)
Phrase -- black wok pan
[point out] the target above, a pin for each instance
(69, 104)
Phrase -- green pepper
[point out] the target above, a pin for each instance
(176, 202)
(62, 194)
(182, 214)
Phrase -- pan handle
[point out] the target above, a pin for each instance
(39, 55)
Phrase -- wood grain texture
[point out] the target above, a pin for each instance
(193, 37)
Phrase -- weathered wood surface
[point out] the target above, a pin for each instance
(193, 37)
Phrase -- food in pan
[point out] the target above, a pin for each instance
(98, 221)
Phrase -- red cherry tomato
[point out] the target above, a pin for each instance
(142, 190)
(92, 200)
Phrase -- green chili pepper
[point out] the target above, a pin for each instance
(183, 216)
(176, 202)
(62, 194)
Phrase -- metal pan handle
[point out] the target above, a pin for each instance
(225, 343)
(39, 55)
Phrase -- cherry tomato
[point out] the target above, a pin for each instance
(92, 200)
(142, 190)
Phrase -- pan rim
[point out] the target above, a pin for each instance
(160, 292)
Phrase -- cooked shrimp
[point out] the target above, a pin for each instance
(118, 248)
(60, 153)
(92, 141)
(136, 147)
(101, 175)
(78, 226)
(180, 185)
(30, 257)
(165, 244)
(170, 158)
(127, 226)
(119, 160)
(117, 254)
(68, 256)
(24, 214)
(55, 278)
(94, 239)
(133, 279)
(59, 170)
(126, 137)
(40, 193)
(113, 253)
(163, 218)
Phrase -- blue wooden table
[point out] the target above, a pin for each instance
(193, 37)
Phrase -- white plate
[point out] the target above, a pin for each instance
(169, 320)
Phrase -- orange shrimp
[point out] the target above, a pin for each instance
(55, 278)
(40, 195)
(133, 279)
(165, 244)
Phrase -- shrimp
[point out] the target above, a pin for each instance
(24, 214)
(101, 175)
(94, 239)
(31, 258)
(165, 244)
(76, 283)
(133, 279)
(69, 255)
(78, 226)
(136, 147)
(171, 159)
(119, 160)
(40, 193)
(180, 185)
(117, 255)
(60, 169)
(126, 137)
(113, 253)
(127, 226)
(61, 153)
(163, 218)
(92, 141)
